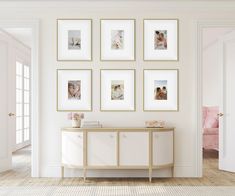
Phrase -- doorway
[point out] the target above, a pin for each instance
(215, 49)
(20, 101)
(211, 94)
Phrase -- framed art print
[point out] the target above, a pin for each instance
(117, 39)
(74, 39)
(160, 40)
(117, 90)
(160, 90)
(74, 91)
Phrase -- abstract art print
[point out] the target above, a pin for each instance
(74, 90)
(117, 90)
(161, 90)
(117, 40)
(74, 41)
(160, 40)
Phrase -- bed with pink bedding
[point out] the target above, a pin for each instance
(210, 128)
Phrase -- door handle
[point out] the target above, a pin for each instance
(220, 114)
(11, 114)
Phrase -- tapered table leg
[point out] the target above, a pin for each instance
(62, 172)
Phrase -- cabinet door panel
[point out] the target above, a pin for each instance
(72, 148)
(134, 148)
(162, 148)
(102, 148)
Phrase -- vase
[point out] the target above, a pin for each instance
(76, 123)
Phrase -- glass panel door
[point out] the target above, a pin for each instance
(19, 103)
(22, 104)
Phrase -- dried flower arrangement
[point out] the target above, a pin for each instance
(75, 116)
(76, 119)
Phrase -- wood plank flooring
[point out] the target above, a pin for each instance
(20, 176)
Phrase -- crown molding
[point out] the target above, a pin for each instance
(125, 5)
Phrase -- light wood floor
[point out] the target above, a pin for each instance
(20, 175)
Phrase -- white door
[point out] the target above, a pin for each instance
(134, 148)
(227, 103)
(102, 149)
(5, 143)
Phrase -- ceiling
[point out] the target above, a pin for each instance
(24, 35)
(120, 0)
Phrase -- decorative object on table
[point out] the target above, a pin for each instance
(74, 90)
(91, 124)
(155, 123)
(160, 39)
(75, 119)
(117, 90)
(74, 39)
(117, 39)
(160, 90)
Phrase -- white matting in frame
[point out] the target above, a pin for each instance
(117, 39)
(74, 39)
(160, 90)
(74, 90)
(161, 40)
(117, 90)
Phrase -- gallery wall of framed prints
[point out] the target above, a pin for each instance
(118, 86)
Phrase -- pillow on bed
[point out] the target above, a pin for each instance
(211, 122)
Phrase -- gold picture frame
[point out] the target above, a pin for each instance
(177, 96)
(167, 60)
(134, 91)
(57, 40)
(118, 60)
(57, 94)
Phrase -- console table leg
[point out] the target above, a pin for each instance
(172, 170)
(150, 175)
(84, 175)
(62, 172)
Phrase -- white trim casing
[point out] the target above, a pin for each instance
(200, 25)
(34, 25)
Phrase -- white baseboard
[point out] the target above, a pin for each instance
(55, 171)
(5, 164)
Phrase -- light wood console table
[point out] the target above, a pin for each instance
(118, 148)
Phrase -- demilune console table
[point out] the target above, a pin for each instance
(118, 148)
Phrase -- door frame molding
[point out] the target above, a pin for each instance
(34, 25)
(199, 26)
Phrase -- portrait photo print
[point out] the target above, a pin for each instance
(117, 90)
(117, 42)
(74, 40)
(160, 39)
(74, 89)
(160, 89)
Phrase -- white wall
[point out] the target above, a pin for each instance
(211, 64)
(51, 121)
